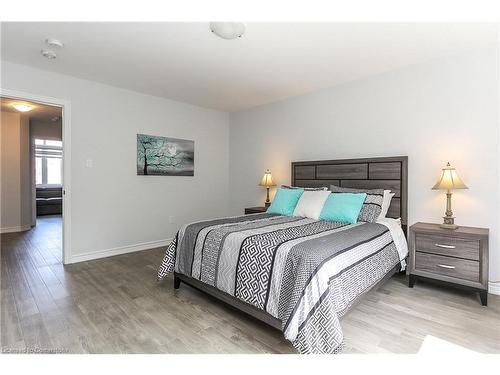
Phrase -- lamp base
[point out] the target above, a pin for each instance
(449, 223)
(449, 226)
(267, 203)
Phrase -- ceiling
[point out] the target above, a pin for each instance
(40, 112)
(272, 61)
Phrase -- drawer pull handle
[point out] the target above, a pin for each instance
(446, 266)
(445, 246)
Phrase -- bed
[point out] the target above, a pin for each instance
(297, 274)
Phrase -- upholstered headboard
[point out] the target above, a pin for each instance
(372, 173)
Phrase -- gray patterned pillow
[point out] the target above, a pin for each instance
(373, 202)
(305, 189)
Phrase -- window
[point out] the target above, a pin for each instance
(48, 162)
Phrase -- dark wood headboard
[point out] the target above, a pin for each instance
(372, 173)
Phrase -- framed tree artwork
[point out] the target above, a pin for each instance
(162, 156)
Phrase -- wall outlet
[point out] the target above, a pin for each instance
(89, 163)
(170, 219)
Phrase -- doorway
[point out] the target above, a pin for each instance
(35, 207)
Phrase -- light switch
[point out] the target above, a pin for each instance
(89, 163)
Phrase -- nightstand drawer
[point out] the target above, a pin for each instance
(442, 265)
(448, 246)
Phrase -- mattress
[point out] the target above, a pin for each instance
(305, 272)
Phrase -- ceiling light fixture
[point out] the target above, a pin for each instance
(228, 30)
(22, 107)
(48, 53)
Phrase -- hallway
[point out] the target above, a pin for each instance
(44, 240)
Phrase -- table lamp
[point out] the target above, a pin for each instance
(267, 181)
(449, 181)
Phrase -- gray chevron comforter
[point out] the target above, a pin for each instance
(305, 272)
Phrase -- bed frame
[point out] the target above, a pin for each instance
(383, 173)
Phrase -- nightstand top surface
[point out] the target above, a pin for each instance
(431, 227)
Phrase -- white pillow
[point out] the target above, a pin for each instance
(386, 202)
(311, 203)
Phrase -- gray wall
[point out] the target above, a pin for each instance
(25, 174)
(443, 110)
(46, 130)
(113, 209)
(15, 173)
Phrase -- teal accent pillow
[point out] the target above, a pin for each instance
(343, 207)
(285, 201)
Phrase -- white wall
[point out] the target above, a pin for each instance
(443, 110)
(113, 208)
(15, 179)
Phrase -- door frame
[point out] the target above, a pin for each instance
(66, 178)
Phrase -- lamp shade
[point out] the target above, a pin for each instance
(449, 180)
(267, 179)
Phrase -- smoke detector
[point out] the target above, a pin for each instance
(48, 53)
(228, 30)
(54, 43)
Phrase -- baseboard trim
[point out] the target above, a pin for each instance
(494, 288)
(119, 250)
(20, 228)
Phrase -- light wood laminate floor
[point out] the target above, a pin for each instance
(114, 305)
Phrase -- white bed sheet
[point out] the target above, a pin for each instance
(398, 236)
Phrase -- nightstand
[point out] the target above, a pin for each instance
(458, 257)
(255, 210)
